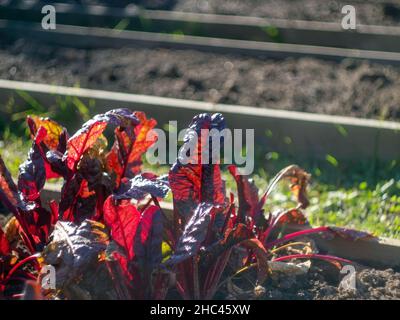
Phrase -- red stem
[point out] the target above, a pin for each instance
(21, 263)
(295, 235)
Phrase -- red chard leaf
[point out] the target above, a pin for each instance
(9, 194)
(125, 157)
(39, 222)
(56, 163)
(32, 173)
(69, 197)
(194, 234)
(249, 202)
(4, 245)
(139, 186)
(55, 132)
(86, 137)
(74, 249)
(148, 240)
(82, 141)
(191, 181)
(122, 218)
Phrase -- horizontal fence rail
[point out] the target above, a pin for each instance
(316, 33)
(303, 135)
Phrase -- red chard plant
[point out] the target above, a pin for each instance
(109, 223)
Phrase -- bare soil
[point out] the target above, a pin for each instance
(351, 88)
(322, 282)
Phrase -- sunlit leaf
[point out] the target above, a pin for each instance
(194, 234)
(191, 181)
(123, 219)
(73, 249)
(4, 245)
(53, 129)
(125, 157)
(86, 137)
(139, 186)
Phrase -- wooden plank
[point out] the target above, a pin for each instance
(94, 37)
(312, 136)
(331, 34)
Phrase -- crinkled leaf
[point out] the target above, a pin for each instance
(32, 173)
(53, 141)
(74, 249)
(92, 171)
(53, 129)
(122, 218)
(9, 192)
(125, 157)
(69, 197)
(193, 182)
(39, 222)
(56, 163)
(79, 143)
(194, 234)
(86, 137)
(141, 143)
(139, 186)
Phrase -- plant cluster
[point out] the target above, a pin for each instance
(108, 225)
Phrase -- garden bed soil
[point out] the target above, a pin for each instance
(350, 88)
(323, 282)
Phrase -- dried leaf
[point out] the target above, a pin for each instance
(262, 258)
(299, 180)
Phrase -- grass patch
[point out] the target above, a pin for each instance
(354, 203)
